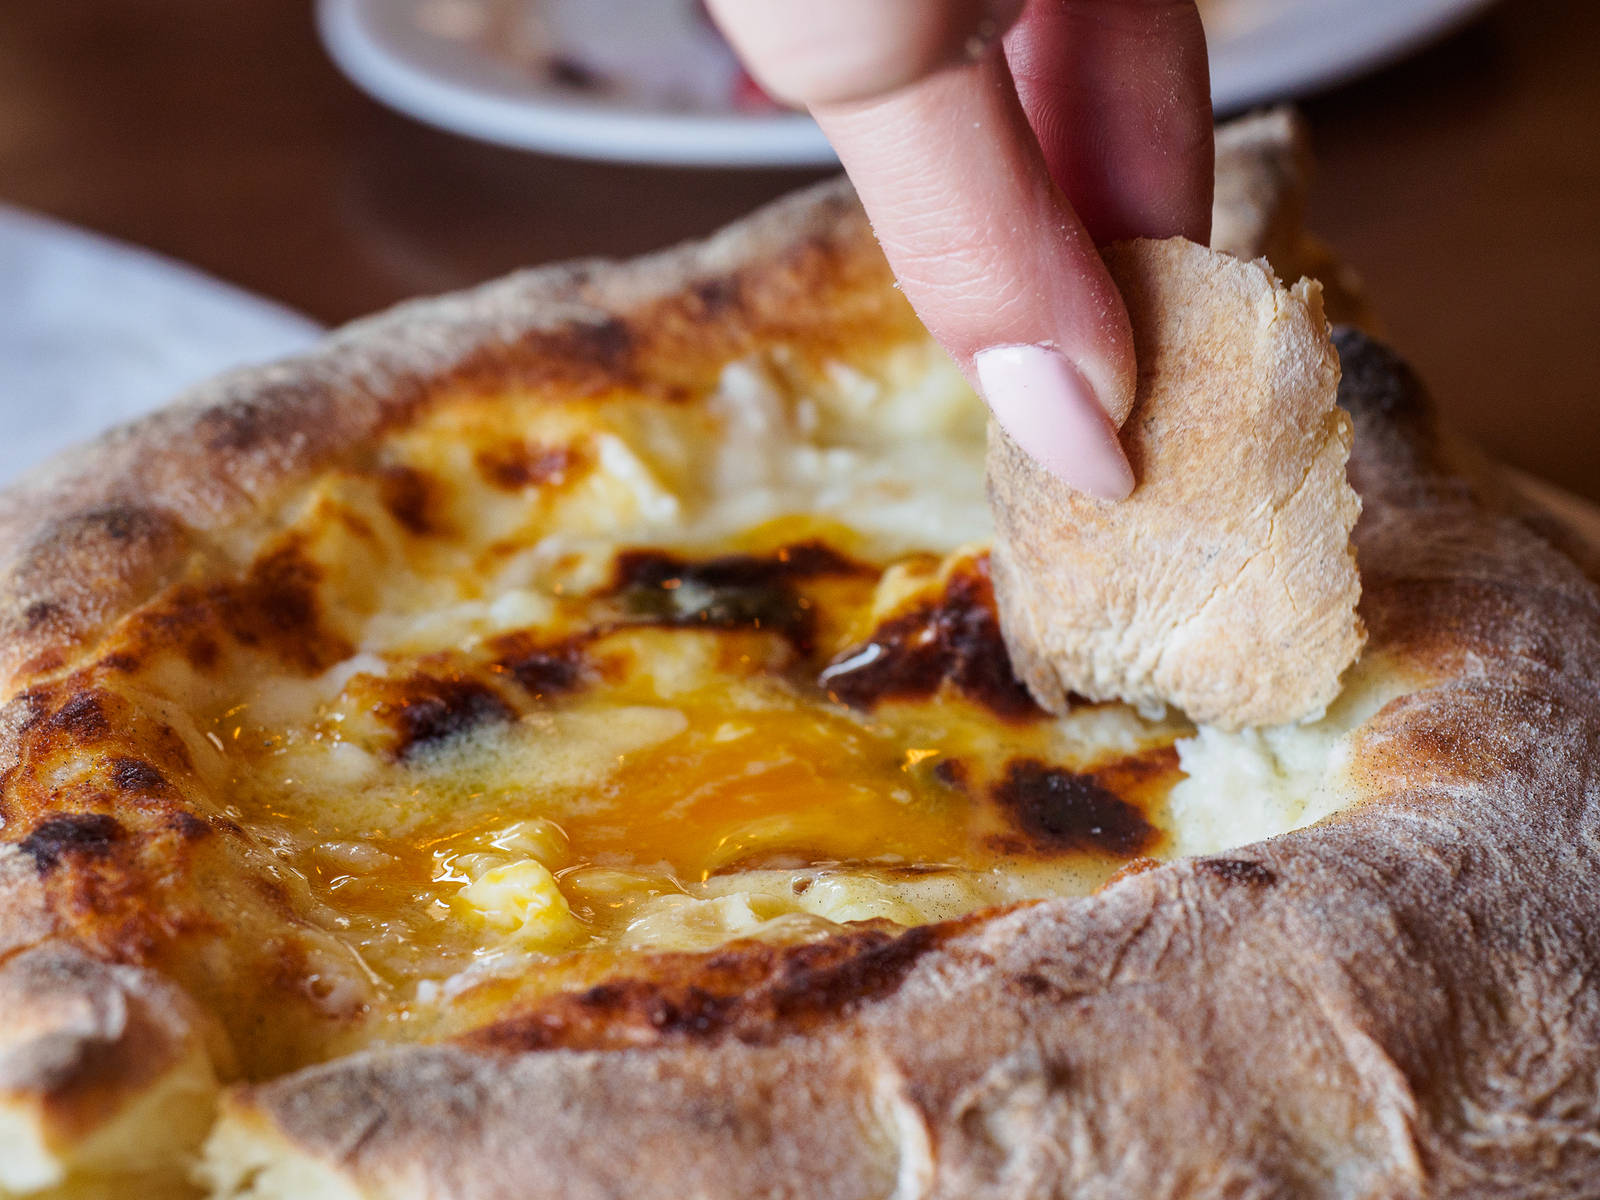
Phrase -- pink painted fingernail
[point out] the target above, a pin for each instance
(1049, 410)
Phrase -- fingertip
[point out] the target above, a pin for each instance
(1047, 406)
(1119, 96)
(997, 265)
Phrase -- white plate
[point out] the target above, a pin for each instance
(97, 332)
(474, 67)
(1263, 50)
(405, 53)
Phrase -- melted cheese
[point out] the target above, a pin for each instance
(702, 785)
(525, 765)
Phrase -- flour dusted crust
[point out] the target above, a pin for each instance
(1395, 1002)
(101, 1065)
(1225, 584)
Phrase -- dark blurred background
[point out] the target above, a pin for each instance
(1464, 185)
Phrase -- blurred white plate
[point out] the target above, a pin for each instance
(97, 332)
(647, 80)
(455, 64)
(1264, 50)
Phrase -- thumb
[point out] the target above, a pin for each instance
(996, 263)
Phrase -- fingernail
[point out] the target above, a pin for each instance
(1049, 410)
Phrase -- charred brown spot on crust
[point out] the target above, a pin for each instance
(692, 1011)
(750, 991)
(609, 342)
(280, 604)
(242, 425)
(202, 652)
(81, 718)
(410, 497)
(1061, 809)
(39, 614)
(1141, 779)
(188, 826)
(431, 709)
(1245, 871)
(132, 549)
(45, 662)
(814, 989)
(274, 608)
(518, 465)
(172, 750)
(357, 525)
(734, 591)
(714, 297)
(122, 522)
(955, 639)
(1394, 418)
(803, 560)
(543, 668)
(1036, 985)
(89, 835)
(118, 523)
(137, 777)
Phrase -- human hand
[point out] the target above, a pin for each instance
(994, 143)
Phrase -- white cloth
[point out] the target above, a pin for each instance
(93, 332)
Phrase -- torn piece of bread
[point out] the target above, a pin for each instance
(1225, 584)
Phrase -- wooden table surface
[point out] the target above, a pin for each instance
(1463, 183)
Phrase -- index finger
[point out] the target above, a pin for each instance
(1118, 93)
